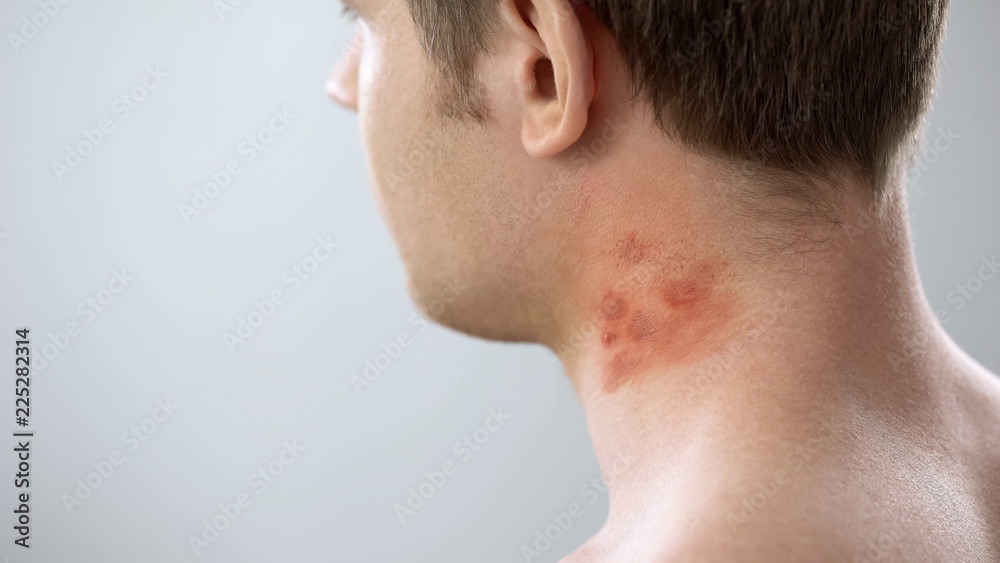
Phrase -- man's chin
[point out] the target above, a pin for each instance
(438, 301)
(451, 303)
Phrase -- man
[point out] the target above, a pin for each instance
(699, 205)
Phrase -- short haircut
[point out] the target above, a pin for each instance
(808, 87)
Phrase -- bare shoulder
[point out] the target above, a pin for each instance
(978, 439)
(851, 492)
(860, 492)
(886, 508)
(845, 489)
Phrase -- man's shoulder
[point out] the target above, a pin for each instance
(747, 514)
(859, 495)
(816, 526)
(706, 535)
(849, 497)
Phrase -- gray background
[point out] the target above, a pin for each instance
(162, 336)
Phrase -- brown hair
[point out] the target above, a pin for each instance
(801, 86)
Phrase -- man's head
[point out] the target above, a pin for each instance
(515, 144)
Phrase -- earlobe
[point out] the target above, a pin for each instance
(556, 75)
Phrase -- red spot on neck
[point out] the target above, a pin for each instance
(608, 338)
(673, 321)
(612, 308)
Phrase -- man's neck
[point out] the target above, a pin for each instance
(682, 338)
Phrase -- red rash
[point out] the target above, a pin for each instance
(671, 319)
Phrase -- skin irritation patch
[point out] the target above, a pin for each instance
(668, 312)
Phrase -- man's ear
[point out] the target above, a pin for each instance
(553, 65)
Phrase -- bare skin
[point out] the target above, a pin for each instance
(777, 382)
